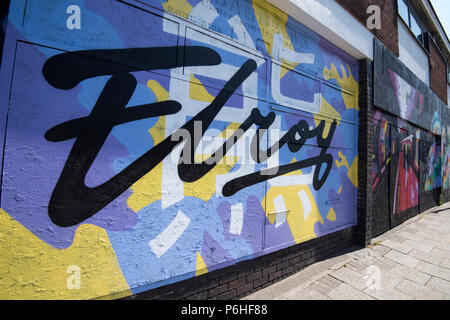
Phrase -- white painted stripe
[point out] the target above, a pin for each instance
(170, 235)
(313, 106)
(280, 208)
(203, 14)
(237, 218)
(294, 180)
(241, 32)
(296, 57)
(307, 208)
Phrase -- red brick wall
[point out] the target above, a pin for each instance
(438, 79)
(388, 34)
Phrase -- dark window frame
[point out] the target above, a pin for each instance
(423, 39)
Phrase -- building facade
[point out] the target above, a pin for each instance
(205, 149)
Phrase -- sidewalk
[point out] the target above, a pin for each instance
(411, 261)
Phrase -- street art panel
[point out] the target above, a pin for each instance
(395, 172)
(398, 91)
(381, 173)
(430, 172)
(167, 139)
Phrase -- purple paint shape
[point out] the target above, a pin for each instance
(32, 164)
(344, 208)
(213, 254)
(251, 226)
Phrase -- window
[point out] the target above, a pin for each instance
(410, 16)
(403, 11)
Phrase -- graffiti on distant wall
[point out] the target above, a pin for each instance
(396, 158)
(406, 190)
(400, 92)
(151, 150)
(432, 178)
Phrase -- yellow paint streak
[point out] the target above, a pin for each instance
(200, 266)
(331, 215)
(340, 190)
(205, 187)
(31, 269)
(352, 173)
(302, 229)
(148, 189)
(272, 21)
(181, 8)
(198, 92)
(326, 110)
(347, 81)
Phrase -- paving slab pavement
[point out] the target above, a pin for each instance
(409, 262)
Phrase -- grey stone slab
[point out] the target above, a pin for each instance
(410, 235)
(402, 259)
(380, 250)
(435, 244)
(419, 246)
(388, 294)
(401, 247)
(386, 264)
(411, 274)
(440, 285)
(307, 294)
(444, 254)
(418, 291)
(434, 270)
(427, 257)
(351, 277)
(445, 263)
(322, 287)
(347, 292)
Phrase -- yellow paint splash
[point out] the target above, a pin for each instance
(205, 187)
(347, 82)
(352, 173)
(331, 215)
(272, 21)
(31, 269)
(148, 189)
(198, 92)
(302, 229)
(181, 8)
(326, 110)
(200, 266)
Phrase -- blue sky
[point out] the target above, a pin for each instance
(442, 8)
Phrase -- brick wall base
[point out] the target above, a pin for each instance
(246, 277)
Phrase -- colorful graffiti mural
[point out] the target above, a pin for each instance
(410, 164)
(395, 171)
(167, 139)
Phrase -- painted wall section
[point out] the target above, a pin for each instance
(410, 144)
(111, 130)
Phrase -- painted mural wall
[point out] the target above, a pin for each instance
(166, 139)
(410, 160)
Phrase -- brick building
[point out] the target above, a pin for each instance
(205, 149)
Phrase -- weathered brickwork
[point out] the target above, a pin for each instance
(438, 71)
(239, 280)
(388, 34)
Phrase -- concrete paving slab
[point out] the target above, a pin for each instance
(434, 270)
(347, 292)
(409, 262)
(418, 291)
(411, 274)
(402, 259)
(427, 257)
(440, 285)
